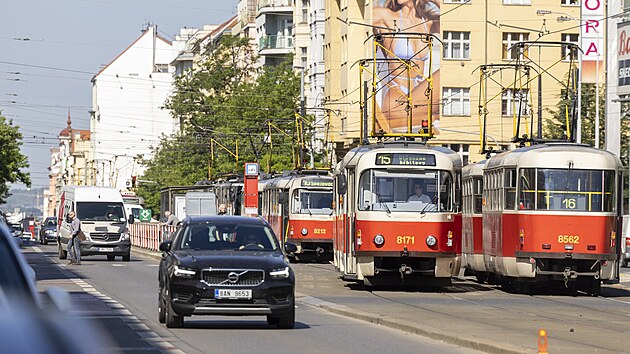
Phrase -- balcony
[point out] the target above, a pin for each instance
(274, 3)
(275, 42)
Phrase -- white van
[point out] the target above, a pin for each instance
(103, 221)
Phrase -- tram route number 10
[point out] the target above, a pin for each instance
(405, 240)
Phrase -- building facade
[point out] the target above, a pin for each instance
(127, 116)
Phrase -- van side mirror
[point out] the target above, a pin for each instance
(166, 246)
(131, 219)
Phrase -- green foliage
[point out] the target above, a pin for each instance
(11, 159)
(225, 101)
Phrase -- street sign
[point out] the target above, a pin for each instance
(145, 215)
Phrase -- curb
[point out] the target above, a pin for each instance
(409, 327)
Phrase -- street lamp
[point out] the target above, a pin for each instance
(567, 17)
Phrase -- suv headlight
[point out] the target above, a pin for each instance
(280, 273)
(125, 235)
(184, 272)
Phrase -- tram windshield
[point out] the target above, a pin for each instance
(567, 190)
(311, 202)
(396, 191)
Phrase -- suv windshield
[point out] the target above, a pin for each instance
(222, 237)
(100, 211)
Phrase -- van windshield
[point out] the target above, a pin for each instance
(100, 211)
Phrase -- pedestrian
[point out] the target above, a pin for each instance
(170, 219)
(154, 218)
(222, 209)
(74, 244)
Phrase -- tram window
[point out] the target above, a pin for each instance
(510, 189)
(527, 194)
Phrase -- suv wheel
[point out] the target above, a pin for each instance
(171, 318)
(111, 258)
(126, 258)
(62, 254)
(287, 322)
(161, 308)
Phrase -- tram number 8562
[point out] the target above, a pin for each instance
(568, 239)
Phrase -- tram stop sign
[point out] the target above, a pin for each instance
(145, 215)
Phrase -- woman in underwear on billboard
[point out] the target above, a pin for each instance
(411, 16)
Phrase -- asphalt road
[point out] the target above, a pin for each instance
(116, 293)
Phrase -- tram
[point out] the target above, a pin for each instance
(299, 209)
(551, 213)
(472, 220)
(230, 193)
(385, 234)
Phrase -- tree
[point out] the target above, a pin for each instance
(11, 159)
(224, 102)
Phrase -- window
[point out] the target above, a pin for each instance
(569, 3)
(461, 149)
(160, 68)
(513, 100)
(510, 189)
(303, 57)
(567, 52)
(516, 2)
(510, 51)
(304, 10)
(456, 45)
(455, 101)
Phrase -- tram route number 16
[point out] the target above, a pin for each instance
(569, 203)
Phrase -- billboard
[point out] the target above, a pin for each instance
(404, 62)
(592, 30)
(623, 57)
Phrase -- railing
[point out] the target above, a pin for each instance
(275, 42)
(149, 235)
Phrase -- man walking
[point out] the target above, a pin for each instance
(74, 244)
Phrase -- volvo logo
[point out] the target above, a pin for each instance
(233, 277)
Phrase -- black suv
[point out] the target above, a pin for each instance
(48, 231)
(225, 265)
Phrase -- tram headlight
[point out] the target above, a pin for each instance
(431, 240)
(304, 232)
(379, 240)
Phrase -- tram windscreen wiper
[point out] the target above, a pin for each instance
(424, 210)
(380, 200)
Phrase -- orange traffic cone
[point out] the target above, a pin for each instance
(542, 342)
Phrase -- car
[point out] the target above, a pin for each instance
(225, 265)
(48, 231)
(16, 231)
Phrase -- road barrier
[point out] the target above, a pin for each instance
(149, 235)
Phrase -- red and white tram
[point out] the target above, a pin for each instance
(299, 208)
(551, 212)
(472, 225)
(384, 233)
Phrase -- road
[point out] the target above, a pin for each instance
(122, 296)
(466, 314)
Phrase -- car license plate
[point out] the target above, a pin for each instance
(232, 294)
(105, 249)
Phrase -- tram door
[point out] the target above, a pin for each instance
(350, 208)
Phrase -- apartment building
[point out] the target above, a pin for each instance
(468, 34)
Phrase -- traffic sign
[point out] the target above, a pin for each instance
(145, 215)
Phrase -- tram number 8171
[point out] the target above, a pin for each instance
(405, 240)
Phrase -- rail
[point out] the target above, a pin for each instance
(149, 235)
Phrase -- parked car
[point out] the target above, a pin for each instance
(16, 232)
(225, 265)
(48, 230)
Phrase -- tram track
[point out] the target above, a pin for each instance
(519, 314)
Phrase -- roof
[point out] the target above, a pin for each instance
(85, 134)
(128, 47)
(222, 27)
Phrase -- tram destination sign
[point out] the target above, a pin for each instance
(403, 158)
(317, 183)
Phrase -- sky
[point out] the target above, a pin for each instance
(50, 50)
